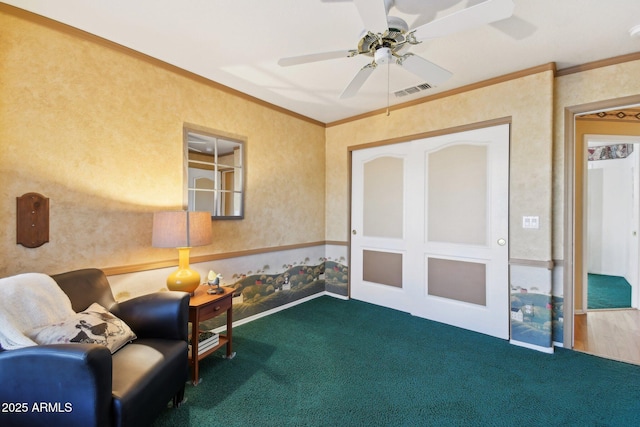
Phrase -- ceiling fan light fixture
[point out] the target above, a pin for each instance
(383, 56)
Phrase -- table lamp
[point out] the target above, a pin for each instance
(182, 230)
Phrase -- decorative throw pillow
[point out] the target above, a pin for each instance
(95, 325)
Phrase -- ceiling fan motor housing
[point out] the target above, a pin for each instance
(393, 39)
(397, 24)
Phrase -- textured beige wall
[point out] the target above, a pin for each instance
(527, 100)
(98, 130)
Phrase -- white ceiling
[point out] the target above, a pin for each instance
(237, 43)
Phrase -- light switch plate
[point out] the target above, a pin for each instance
(532, 222)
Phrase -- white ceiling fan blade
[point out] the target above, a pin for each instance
(426, 70)
(373, 14)
(315, 57)
(358, 81)
(475, 16)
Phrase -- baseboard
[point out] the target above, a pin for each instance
(532, 346)
(558, 344)
(343, 297)
(338, 296)
(277, 309)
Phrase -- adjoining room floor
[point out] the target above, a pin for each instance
(608, 292)
(614, 334)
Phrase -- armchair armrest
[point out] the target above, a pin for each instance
(61, 384)
(157, 315)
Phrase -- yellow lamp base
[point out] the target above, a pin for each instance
(183, 279)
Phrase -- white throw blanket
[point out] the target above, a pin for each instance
(29, 301)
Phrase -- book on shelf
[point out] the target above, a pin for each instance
(206, 340)
(210, 342)
(202, 349)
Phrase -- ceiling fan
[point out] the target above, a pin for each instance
(387, 39)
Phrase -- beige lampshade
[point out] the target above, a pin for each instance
(181, 229)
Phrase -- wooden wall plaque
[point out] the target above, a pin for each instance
(32, 220)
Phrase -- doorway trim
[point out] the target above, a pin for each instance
(570, 207)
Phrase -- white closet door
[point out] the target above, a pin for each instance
(430, 228)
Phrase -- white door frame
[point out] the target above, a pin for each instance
(570, 208)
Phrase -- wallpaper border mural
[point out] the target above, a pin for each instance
(536, 313)
(261, 282)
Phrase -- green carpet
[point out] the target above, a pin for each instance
(330, 362)
(608, 292)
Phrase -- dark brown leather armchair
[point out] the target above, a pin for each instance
(84, 384)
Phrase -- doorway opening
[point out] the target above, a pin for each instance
(610, 273)
(602, 225)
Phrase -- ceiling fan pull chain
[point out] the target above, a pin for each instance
(388, 86)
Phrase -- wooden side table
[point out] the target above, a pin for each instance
(203, 306)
